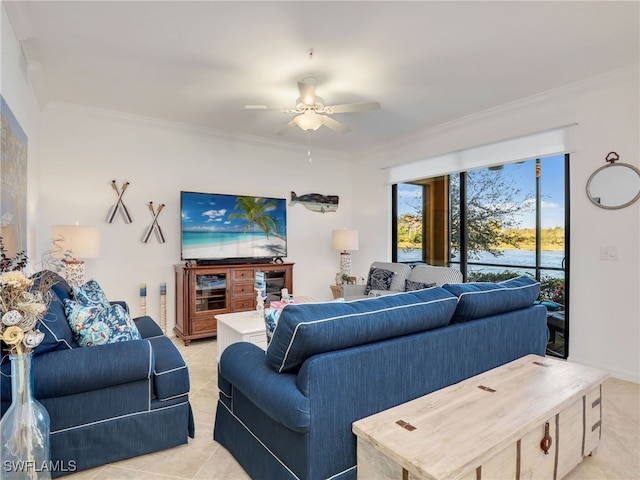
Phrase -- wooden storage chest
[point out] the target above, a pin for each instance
(496, 425)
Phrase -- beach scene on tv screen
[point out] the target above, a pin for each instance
(232, 226)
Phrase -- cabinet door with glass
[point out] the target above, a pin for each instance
(210, 292)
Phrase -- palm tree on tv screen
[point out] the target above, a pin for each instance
(254, 211)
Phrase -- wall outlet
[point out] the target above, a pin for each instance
(609, 253)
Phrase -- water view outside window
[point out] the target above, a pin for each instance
(410, 223)
(501, 222)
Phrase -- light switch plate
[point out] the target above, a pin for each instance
(608, 253)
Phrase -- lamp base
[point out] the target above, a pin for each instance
(345, 264)
(74, 272)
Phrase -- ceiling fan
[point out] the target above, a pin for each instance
(311, 111)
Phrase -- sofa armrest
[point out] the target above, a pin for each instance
(67, 372)
(349, 290)
(170, 373)
(147, 327)
(245, 367)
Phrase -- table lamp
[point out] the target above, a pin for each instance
(80, 242)
(346, 241)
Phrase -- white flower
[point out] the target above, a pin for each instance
(33, 338)
(15, 279)
(11, 317)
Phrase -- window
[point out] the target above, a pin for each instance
(494, 223)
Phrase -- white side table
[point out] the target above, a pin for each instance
(241, 327)
(245, 327)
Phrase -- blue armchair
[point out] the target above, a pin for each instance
(106, 402)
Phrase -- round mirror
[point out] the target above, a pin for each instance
(613, 186)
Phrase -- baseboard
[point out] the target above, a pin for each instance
(626, 375)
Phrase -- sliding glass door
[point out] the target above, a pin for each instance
(494, 223)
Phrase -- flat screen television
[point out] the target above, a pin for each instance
(221, 227)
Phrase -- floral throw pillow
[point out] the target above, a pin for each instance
(410, 285)
(379, 279)
(95, 325)
(271, 316)
(79, 315)
(90, 293)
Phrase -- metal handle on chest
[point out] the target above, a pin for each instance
(545, 443)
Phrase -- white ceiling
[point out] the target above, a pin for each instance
(426, 62)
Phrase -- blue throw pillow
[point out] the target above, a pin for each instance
(271, 316)
(95, 325)
(79, 315)
(307, 329)
(379, 279)
(482, 299)
(90, 293)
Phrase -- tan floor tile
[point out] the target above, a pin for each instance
(221, 465)
(617, 457)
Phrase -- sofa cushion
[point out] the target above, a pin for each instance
(437, 275)
(410, 285)
(56, 329)
(378, 279)
(308, 329)
(61, 288)
(481, 299)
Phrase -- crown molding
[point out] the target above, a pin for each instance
(393, 153)
(63, 107)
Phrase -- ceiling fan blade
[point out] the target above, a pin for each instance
(307, 92)
(353, 107)
(335, 125)
(283, 130)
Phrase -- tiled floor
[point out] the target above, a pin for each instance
(617, 458)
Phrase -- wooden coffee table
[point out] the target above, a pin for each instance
(496, 425)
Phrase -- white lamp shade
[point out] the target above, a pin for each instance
(309, 120)
(81, 241)
(345, 240)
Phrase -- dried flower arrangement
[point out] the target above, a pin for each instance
(22, 305)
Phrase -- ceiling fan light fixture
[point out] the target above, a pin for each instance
(309, 120)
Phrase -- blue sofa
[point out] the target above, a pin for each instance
(106, 402)
(287, 414)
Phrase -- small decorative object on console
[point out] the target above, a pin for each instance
(261, 293)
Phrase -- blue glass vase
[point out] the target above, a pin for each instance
(24, 428)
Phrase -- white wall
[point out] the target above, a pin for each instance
(17, 92)
(83, 150)
(605, 305)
